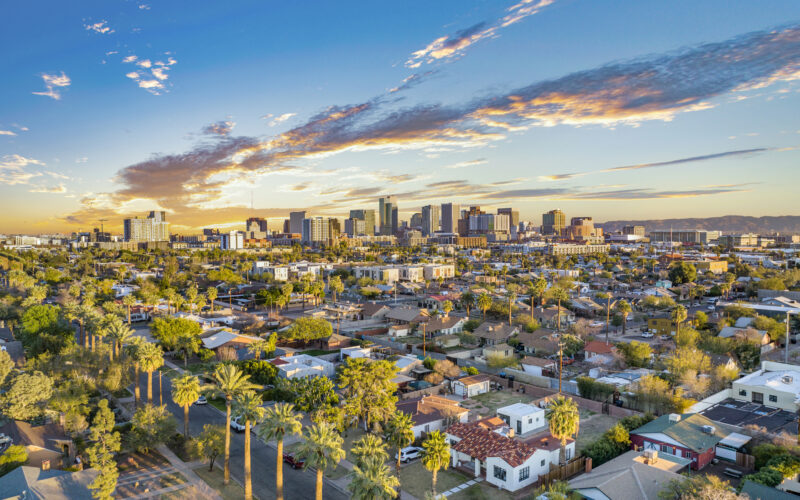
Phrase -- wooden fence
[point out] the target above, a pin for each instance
(563, 472)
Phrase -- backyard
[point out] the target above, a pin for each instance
(592, 426)
(416, 479)
(497, 399)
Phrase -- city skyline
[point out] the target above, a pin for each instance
(637, 111)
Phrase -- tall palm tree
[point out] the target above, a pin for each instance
(678, 315)
(128, 301)
(133, 348)
(484, 303)
(247, 407)
(400, 433)
(537, 289)
(229, 383)
(256, 347)
(606, 297)
(185, 391)
(467, 301)
(279, 421)
(559, 295)
(511, 294)
(370, 448)
(151, 358)
(624, 309)
(321, 448)
(435, 455)
(119, 333)
(188, 344)
(563, 418)
(211, 295)
(373, 482)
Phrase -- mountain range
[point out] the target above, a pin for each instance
(727, 224)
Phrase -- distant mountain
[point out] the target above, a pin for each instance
(726, 224)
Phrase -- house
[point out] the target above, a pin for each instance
(503, 350)
(523, 418)
(634, 474)
(445, 325)
(446, 341)
(759, 336)
(507, 463)
(661, 326)
(495, 333)
(584, 306)
(437, 301)
(332, 342)
(597, 351)
(776, 389)
(303, 365)
(471, 386)
(33, 483)
(374, 311)
(399, 330)
(535, 366)
(406, 315)
(727, 361)
(542, 342)
(691, 436)
(432, 413)
(548, 317)
(354, 352)
(216, 339)
(758, 491)
(44, 443)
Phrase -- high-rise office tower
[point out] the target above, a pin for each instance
(153, 228)
(296, 222)
(513, 215)
(356, 227)
(256, 228)
(449, 217)
(368, 216)
(430, 219)
(387, 213)
(315, 230)
(553, 222)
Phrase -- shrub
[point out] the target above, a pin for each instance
(12, 458)
(591, 389)
(766, 476)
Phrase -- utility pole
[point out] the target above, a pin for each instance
(560, 363)
(786, 351)
(424, 338)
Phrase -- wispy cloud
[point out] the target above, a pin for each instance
(153, 74)
(470, 163)
(281, 118)
(453, 45)
(691, 159)
(54, 83)
(60, 189)
(13, 172)
(99, 27)
(219, 128)
(7, 132)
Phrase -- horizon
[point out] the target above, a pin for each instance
(640, 112)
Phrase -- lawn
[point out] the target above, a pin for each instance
(318, 352)
(416, 479)
(218, 403)
(214, 479)
(481, 491)
(498, 399)
(593, 425)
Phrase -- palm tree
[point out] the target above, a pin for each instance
(484, 303)
(511, 293)
(133, 348)
(247, 407)
(400, 433)
(559, 295)
(128, 301)
(537, 288)
(185, 391)
(229, 383)
(321, 448)
(119, 333)
(370, 448)
(564, 419)
(624, 308)
(607, 298)
(189, 344)
(678, 316)
(258, 346)
(468, 300)
(373, 482)
(447, 306)
(211, 295)
(435, 455)
(151, 358)
(280, 420)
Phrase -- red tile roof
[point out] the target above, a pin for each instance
(598, 347)
(481, 443)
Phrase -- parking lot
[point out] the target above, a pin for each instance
(742, 413)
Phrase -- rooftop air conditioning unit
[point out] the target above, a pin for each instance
(709, 429)
(674, 417)
(651, 456)
(787, 379)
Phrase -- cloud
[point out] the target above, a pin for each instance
(144, 6)
(99, 27)
(12, 169)
(691, 159)
(412, 81)
(7, 132)
(57, 175)
(653, 88)
(280, 119)
(60, 189)
(153, 75)
(454, 45)
(53, 83)
(647, 194)
(219, 128)
(471, 163)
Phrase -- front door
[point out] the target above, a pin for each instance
(519, 427)
(758, 398)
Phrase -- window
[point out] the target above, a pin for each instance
(524, 473)
(568, 454)
(666, 449)
(742, 392)
(427, 428)
(773, 398)
(499, 473)
(530, 420)
(542, 462)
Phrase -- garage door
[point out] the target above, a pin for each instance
(726, 453)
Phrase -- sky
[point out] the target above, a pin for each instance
(217, 111)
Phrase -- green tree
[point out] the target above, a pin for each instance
(14, 456)
(400, 433)
(309, 329)
(484, 303)
(211, 295)
(27, 396)
(373, 482)
(119, 333)
(151, 358)
(370, 448)
(624, 309)
(368, 389)
(559, 295)
(467, 301)
(6, 365)
(168, 330)
(435, 455)
(185, 391)
(678, 316)
(247, 408)
(321, 448)
(336, 286)
(682, 272)
(261, 345)
(188, 344)
(636, 353)
(128, 301)
(447, 306)
(105, 443)
(151, 426)
(537, 289)
(229, 382)
(210, 443)
(563, 419)
(279, 421)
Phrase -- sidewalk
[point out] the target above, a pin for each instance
(201, 486)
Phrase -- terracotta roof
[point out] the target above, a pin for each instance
(547, 442)
(278, 362)
(598, 347)
(481, 443)
(473, 379)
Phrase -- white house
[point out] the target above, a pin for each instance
(278, 273)
(523, 418)
(778, 388)
(303, 365)
(471, 386)
(354, 352)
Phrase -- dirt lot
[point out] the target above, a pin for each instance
(493, 400)
(593, 425)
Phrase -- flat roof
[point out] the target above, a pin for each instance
(741, 413)
(735, 440)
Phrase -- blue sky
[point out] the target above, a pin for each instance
(117, 107)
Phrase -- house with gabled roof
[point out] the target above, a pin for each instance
(492, 333)
(33, 483)
(445, 325)
(432, 413)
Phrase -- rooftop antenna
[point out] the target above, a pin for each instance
(101, 224)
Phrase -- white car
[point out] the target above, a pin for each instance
(711, 308)
(237, 425)
(648, 335)
(4, 439)
(201, 401)
(410, 453)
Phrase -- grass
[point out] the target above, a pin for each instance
(592, 427)
(214, 479)
(416, 479)
(481, 491)
(318, 352)
(498, 399)
(218, 403)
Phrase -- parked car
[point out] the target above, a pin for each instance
(648, 335)
(711, 308)
(4, 439)
(290, 459)
(410, 453)
(201, 401)
(665, 337)
(237, 425)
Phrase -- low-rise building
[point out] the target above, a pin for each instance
(523, 418)
(432, 413)
(303, 365)
(777, 389)
(471, 386)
